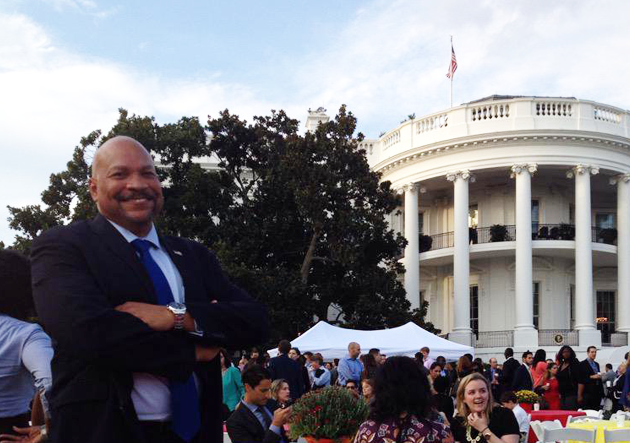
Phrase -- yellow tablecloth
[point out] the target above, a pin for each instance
(600, 425)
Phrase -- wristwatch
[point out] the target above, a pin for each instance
(179, 311)
(487, 433)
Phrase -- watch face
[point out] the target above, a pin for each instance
(177, 308)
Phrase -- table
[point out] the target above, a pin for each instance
(551, 415)
(599, 424)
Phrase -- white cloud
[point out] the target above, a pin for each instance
(51, 98)
(392, 58)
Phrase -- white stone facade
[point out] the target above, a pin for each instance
(552, 175)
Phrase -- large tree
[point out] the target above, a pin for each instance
(297, 220)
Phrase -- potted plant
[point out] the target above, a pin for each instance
(426, 241)
(527, 398)
(608, 235)
(566, 231)
(327, 415)
(498, 233)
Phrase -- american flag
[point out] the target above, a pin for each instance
(453, 66)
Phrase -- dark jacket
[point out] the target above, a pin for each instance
(523, 379)
(79, 274)
(244, 427)
(284, 367)
(593, 388)
(510, 366)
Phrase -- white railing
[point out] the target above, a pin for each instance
(606, 115)
(556, 109)
(367, 146)
(490, 111)
(391, 139)
(432, 123)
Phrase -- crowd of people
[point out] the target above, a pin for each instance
(467, 397)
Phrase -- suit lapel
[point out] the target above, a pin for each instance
(117, 244)
(253, 420)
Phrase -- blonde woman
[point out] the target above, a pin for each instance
(280, 395)
(478, 419)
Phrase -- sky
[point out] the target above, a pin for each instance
(67, 66)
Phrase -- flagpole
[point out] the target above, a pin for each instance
(452, 77)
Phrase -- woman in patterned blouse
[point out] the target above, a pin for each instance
(401, 407)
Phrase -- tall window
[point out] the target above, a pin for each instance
(536, 294)
(474, 309)
(422, 295)
(606, 314)
(421, 222)
(473, 216)
(605, 220)
(572, 306)
(535, 215)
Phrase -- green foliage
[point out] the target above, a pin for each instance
(332, 412)
(527, 396)
(296, 220)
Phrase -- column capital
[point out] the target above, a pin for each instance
(463, 174)
(583, 169)
(410, 187)
(621, 178)
(523, 167)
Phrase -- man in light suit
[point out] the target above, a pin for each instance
(136, 318)
(251, 421)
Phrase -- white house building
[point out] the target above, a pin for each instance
(517, 214)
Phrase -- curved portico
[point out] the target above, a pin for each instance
(498, 235)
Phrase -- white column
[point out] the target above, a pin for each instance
(412, 251)
(525, 335)
(584, 306)
(461, 268)
(623, 251)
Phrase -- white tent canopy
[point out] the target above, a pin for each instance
(332, 342)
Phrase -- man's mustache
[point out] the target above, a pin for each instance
(134, 195)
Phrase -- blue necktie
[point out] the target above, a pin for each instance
(184, 399)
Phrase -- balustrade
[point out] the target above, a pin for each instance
(490, 111)
(432, 123)
(606, 115)
(558, 109)
(392, 139)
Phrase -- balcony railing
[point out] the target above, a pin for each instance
(557, 337)
(501, 233)
(493, 339)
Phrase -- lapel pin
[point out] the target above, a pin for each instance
(178, 253)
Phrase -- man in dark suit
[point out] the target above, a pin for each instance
(510, 366)
(251, 421)
(285, 367)
(136, 318)
(523, 377)
(590, 388)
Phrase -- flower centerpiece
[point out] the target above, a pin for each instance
(327, 415)
(527, 398)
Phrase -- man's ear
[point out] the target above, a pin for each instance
(92, 185)
(248, 388)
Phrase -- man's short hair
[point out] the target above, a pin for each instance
(253, 375)
(509, 397)
(356, 383)
(608, 366)
(15, 274)
(425, 349)
(352, 344)
(308, 354)
(419, 356)
(590, 347)
(509, 352)
(284, 346)
(374, 351)
(435, 365)
(318, 358)
(526, 353)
